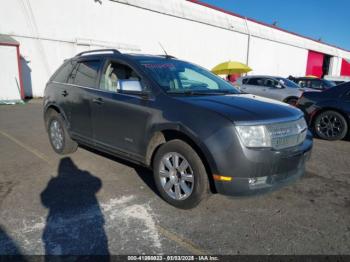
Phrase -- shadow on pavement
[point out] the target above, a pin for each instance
(8, 248)
(144, 173)
(75, 223)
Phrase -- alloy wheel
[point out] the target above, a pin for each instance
(56, 134)
(330, 125)
(176, 176)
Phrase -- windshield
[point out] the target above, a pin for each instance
(328, 84)
(179, 77)
(287, 82)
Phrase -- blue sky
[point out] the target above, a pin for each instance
(326, 19)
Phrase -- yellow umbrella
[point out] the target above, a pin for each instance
(231, 67)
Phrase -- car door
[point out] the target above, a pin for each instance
(61, 89)
(119, 117)
(272, 89)
(83, 81)
(253, 86)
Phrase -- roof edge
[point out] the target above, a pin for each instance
(8, 40)
(262, 23)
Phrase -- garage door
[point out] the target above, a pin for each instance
(315, 64)
(9, 74)
(345, 67)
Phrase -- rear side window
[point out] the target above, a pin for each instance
(63, 72)
(256, 82)
(86, 73)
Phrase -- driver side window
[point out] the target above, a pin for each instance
(118, 77)
(271, 83)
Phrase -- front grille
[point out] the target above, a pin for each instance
(287, 134)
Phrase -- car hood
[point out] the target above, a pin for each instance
(245, 107)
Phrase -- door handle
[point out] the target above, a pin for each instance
(98, 101)
(65, 93)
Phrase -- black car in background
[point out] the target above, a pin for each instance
(193, 129)
(313, 82)
(328, 112)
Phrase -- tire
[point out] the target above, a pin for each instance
(179, 181)
(59, 137)
(330, 125)
(292, 101)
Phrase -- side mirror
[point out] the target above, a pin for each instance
(130, 86)
(279, 86)
(133, 87)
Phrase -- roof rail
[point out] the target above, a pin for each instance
(114, 51)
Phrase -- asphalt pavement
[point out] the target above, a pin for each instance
(91, 203)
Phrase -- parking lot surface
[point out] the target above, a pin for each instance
(89, 203)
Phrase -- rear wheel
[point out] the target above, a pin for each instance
(58, 134)
(330, 125)
(180, 175)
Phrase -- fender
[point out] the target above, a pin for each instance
(51, 104)
(178, 127)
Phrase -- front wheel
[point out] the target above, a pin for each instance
(330, 125)
(180, 175)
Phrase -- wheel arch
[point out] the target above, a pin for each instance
(290, 97)
(162, 136)
(55, 108)
(324, 109)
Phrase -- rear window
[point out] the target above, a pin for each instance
(63, 72)
(86, 72)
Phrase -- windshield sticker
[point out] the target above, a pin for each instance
(168, 65)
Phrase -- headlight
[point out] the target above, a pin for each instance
(254, 136)
(277, 135)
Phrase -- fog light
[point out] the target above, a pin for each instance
(257, 180)
(252, 180)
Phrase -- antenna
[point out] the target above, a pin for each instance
(166, 54)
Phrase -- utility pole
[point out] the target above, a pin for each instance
(249, 37)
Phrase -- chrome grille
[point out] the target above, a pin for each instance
(287, 134)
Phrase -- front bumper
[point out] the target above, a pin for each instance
(263, 171)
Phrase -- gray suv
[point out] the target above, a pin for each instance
(196, 132)
(277, 88)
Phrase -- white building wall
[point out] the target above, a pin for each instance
(335, 66)
(51, 31)
(272, 58)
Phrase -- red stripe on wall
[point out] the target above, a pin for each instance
(345, 68)
(314, 64)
